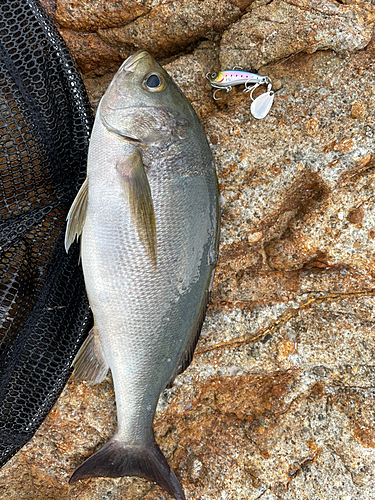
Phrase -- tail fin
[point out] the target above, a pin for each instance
(116, 459)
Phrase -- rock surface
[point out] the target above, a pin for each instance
(173, 26)
(282, 28)
(88, 15)
(279, 400)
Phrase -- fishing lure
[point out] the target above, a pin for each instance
(226, 80)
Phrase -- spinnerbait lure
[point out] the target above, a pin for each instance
(260, 106)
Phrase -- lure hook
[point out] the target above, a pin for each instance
(250, 90)
(228, 89)
(263, 81)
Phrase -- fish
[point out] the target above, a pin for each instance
(45, 125)
(148, 220)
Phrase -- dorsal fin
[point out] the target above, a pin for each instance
(77, 215)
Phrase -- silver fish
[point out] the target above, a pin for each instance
(149, 217)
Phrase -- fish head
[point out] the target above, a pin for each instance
(215, 77)
(143, 104)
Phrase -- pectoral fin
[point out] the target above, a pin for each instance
(137, 190)
(76, 215)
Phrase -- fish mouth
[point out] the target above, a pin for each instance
(131, 62)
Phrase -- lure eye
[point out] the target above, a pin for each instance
(213, 75)
(154, 82)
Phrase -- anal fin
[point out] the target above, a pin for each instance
(89, 364)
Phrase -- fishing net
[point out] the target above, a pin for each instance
(45, 120)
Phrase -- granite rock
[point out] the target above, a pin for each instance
(278, 402)
(91, 54)
(281, 28)
(173, 26)
(90, 15)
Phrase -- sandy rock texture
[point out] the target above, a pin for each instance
(279, 401)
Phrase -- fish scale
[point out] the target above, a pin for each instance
(123, 267)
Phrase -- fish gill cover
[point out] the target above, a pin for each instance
(45, 121)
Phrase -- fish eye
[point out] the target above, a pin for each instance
(154, 82)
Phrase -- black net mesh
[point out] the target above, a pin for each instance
(45, 120)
